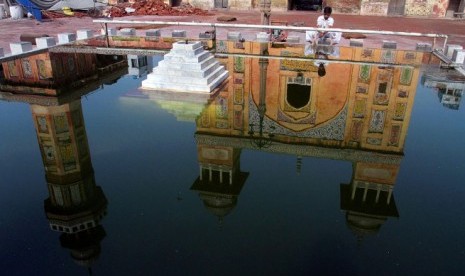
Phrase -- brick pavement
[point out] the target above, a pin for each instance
(10, 30)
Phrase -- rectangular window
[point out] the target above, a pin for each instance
(58, 195)
(75, 194)
(142, 61)
(134, 63)
(382, 87)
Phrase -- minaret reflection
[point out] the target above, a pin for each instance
(221, 179)
(368, 200)
(359, 112)
(76, 205)
(220, 195)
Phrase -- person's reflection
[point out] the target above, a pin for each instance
(321, 70)
(322, 51)
(76, 205)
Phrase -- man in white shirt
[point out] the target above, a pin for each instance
(324, 21)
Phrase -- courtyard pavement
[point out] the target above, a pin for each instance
(11, 30)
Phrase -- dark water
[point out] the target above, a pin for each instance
(283, 220)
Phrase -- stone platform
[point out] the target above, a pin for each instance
(186, 68)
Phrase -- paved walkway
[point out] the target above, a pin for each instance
(10, 30)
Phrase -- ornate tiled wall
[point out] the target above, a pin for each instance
(344, 6)
(383, 98)
(433, 8)
(429, 8)
(238, 92)
(374, 7)
(419, 7)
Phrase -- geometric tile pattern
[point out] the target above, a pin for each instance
(374, 141)
(419, 7)
(333, 130)
(377, 121)
(221, 107)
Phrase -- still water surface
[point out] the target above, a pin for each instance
(288, 210)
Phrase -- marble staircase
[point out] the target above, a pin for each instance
(186, 68)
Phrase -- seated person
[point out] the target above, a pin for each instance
(324, 21)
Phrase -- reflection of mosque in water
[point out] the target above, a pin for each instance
(449, 88)
(139, 65)
(76, 205)
(358, 112)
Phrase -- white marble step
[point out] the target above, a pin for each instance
(187, 46)
(205, 88)
(170, 72)
(218, 72)
(188, 66)
(185, 79)
(186, 53)
(174, 58)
